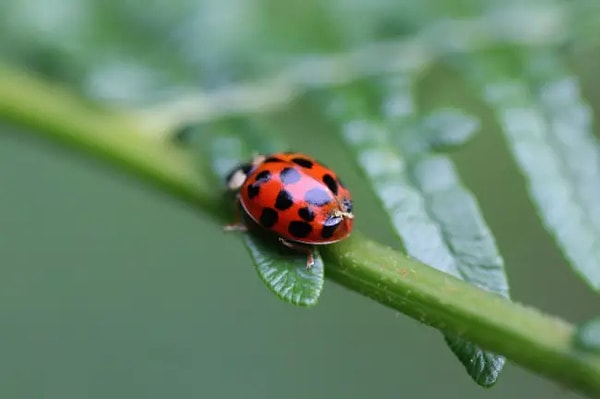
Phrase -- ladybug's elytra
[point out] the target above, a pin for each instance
(294, 196)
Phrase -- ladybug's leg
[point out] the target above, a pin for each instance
(302, 248)
(237, 225)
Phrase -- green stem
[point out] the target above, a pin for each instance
(52, 111)
(530, 338)
(539, 342)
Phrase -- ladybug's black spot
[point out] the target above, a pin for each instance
(331, 183)
(269, 217)
(305, 163)
(307, 214)
(273, 159)
(317, 197)
(263, 176)
(284, 200)
(299, 229)
(289, 176)
(253, 190)
(330, 226)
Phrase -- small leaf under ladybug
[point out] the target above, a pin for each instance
(284, 271)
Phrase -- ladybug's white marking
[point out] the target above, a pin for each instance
(236, 180)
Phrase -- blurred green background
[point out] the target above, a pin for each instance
(111, 289)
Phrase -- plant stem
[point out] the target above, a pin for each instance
(52, 111)
(530, 338)
(539, 342)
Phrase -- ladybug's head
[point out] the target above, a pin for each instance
(236, 178)
(345, 210)
(339, 222)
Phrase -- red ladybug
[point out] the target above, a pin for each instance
(294, 196)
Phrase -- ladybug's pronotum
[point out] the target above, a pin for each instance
(294, 196)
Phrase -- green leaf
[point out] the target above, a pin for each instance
(548, 127)
(587, 335)
(436, 218)
(283, 270)
(446, 128)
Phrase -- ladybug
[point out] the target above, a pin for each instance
(292, 195)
